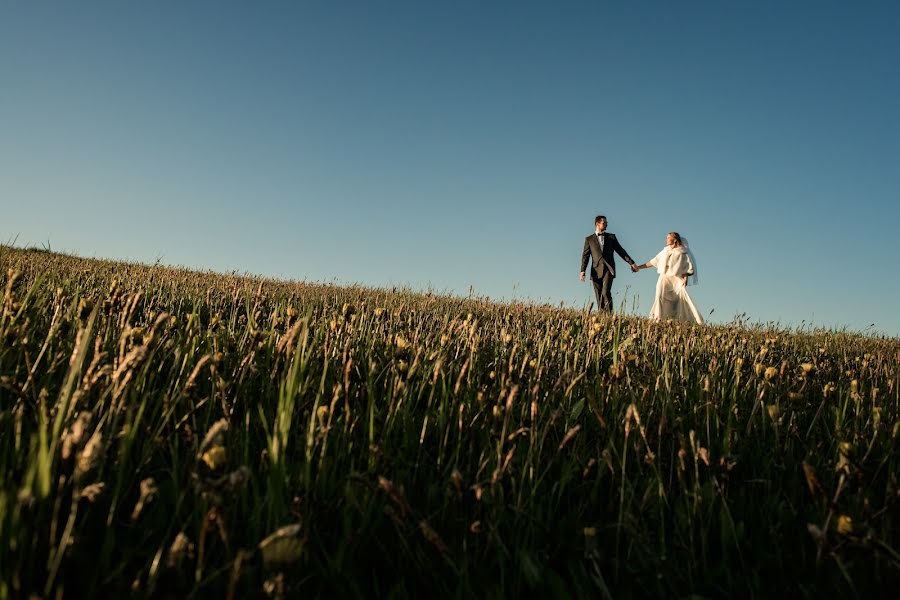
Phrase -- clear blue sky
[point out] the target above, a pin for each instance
(468, 143)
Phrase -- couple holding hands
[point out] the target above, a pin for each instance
(674, 263)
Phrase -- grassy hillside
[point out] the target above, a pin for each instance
(167, 432)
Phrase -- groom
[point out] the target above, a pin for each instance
(599, 247)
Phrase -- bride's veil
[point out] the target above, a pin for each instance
(693, 279)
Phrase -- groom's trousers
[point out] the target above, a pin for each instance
(602, 287)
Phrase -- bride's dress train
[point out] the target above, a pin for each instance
(673, 302)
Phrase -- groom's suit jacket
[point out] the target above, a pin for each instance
(602, 260)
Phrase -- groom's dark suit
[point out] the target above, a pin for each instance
(603, 264)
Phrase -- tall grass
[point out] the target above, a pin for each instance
(167, 432)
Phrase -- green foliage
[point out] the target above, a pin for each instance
(167, 433)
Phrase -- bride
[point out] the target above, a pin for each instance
(674, 264)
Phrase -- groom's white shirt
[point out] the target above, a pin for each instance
(599, 235)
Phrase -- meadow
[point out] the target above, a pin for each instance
(168, 433)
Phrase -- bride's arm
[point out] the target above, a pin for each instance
(647, 265)
(690, 270)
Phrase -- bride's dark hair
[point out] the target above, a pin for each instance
(677, 237)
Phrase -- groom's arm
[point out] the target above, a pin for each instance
(621, 252)
(585, 255)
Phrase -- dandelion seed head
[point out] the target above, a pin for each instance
(285, 546)
(844, 525)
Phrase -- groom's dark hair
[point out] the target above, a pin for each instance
(599, 218)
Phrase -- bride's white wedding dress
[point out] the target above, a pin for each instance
(672, 300)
